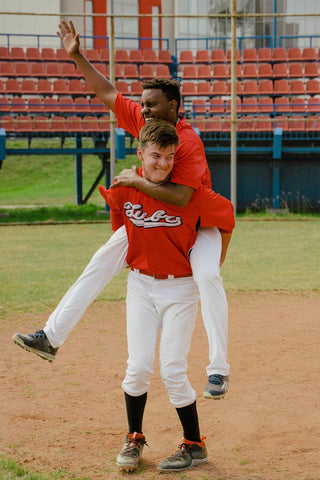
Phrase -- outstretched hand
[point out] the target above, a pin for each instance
(69, 37)
(126, 177)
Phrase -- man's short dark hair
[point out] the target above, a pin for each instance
(170, 88)
(160, 132)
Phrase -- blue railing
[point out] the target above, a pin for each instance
(285, 37)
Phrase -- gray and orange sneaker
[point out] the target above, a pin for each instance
(189, 454)
(130, 455)
(37, 343)
(217, 386)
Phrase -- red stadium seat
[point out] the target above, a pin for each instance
(279, 54)
(219, 71)
(122, 87)
(92, 55)
(4, 53)
(66, 105)
(265, 105)
(7, 122)
(104, 55)
(250, 87)
(281, 105)
(33, 53)
(296, 124)
(249, 71)
(238, 88)
(296, 87)
(90, 124)
(44, 87)
(130, 71)
(265, 70)
(73, 124)
(35, 105)
(150, 56)
(81, 105)
(214, 125)
(68, 70)
(238, 56)
(238, 105)
(4, 105)
(204, 88)
(250, 105)
(97, 106)
(281, 122)
(280, 70)
(13, 86)
(311, 70)
(218, 56)
(7, 69)
(313, 123)
(121, 56)
(189, 72)
(75, 87)
(136, 56)
(294, 54)
(188, 88)
(2, 87)
(18, 104)
(41, 124)
(62, 56)
(58, 124)
(53, 70)
(28, 87)
(202, 56)
(309, 54)
(264, 54)
(281, 87)
(48, 54)
(199, 105)
(162, 71)
(24, 124)
(313, 105)
(265, 87)
(312, 87)
(136, 88)
(263, 124)
(186, 56)
(146, 72)
(238, 70)
(295, 70)
(249, 55)
(22, 69)
(87, 90)
(164, 56)
(204, 72)
(297, 105)
(38, 70)
(50, 105)
(219, 88)
(17, 53)
(60, 87)
(216, 105)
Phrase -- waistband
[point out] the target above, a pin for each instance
(160, 277)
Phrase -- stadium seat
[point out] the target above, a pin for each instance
(280, 70)
(4, 53)
(202, 56)
(37, 69)
(264, 54)
(92, 55)
(41, 124)
(204, 72)
(250, 105)
(297, 105)
(58, 124)
(68, 70)
(200, 123)
(249, 55)
(216, 105)
(104, 124)
(122, 87)
(87, 90)
(265, 87)
(313, 124)
(81, 105)
(294, 54)
(281, 87)
(136, 56)
(281, 122)
(2, 87)
(189, 72)
(199, 105)
(75, 87)
(296, 124)
(218, 56)
(213, 125)
(50, 105)
(250, 87)
(28, 87)
(104, 55)
(7, 69)
(279, 54)
(312, 87)
(62, 56)
(53, 70)
(48, 54)
(18, 104)
(204, 88)
(295, 70)
(17, 53)
(162, 71)
(238, 56)
(4, 106)
(22, 69)
(186, 56)
(60, 87)
(238, 88)
(13, 86)
(263, 124)
(34, 105)
(296, 87)
(150, 56)
(136, 88)
(66, 105)
(238, 105)
(146, 72)
(90, 124)
(309, 54)
(281, 105)
(8, 123)
(313, 105)
(121, 56)
(265, 70)
(130, 70)
(73, 124)
(249, 70)
(311, 70)
(32, 54)
(188, 88)
(247, 124)
(44, 87)
(238, 70)
(164, 56)
(265, 105)
(24, 124)
(219, 87)
(219, 71)
(97, 106)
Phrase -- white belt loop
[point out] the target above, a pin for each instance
(170, 277)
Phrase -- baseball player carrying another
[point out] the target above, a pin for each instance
(161, 293)
(160, 100)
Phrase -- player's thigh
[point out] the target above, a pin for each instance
(206, 252)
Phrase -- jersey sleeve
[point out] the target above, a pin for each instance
(116, 215)
(128, 114)
(215, 210)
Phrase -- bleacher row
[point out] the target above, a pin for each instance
(43, 87)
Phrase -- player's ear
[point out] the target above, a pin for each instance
(139, 153)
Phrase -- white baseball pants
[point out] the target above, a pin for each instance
(109, 260)
(169, 305)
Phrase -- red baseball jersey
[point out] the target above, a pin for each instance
(161, 235)
(190, 163)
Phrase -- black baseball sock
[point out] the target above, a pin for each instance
(189, 418)
(135, 409)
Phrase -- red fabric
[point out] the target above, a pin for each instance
(161, 235)
(190, 163)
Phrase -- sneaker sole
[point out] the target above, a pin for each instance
(220, 396)
(43, 355)
(195, 463)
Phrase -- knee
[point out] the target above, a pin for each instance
(207, 273)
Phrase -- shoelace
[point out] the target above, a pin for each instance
(216, 379)
(183, 448)
(39, 334)
(132, 447)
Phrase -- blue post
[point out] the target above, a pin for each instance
(78, 160)
(277, 154)
(2, 144)
(120, 143)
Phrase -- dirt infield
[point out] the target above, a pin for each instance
(69, 415)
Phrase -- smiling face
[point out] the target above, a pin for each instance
(156, 106)
(157, 162)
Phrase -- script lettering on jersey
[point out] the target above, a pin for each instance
(159, 218)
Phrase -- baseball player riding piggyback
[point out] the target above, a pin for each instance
(160, 100)
(161, 293)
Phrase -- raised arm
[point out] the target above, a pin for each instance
(100, 85)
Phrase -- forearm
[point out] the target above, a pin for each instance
(226, 237)
(172, 193)
(100, 84)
